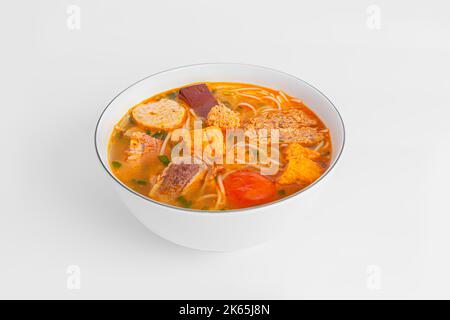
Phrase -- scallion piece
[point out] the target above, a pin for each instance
(116, 164)
(164, 160)
(185, 203)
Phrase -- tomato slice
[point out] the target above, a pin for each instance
(246, 188)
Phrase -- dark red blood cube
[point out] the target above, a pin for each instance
(199, 98)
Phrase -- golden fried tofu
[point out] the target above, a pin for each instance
(223, 117)
(212, 143)
(296, 150)
(300, 171)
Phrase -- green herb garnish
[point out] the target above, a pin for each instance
(281, 192)
(116, 164)
(160, 135)
(141, 182)
(163, 158)
(148, 132)
(185, 203)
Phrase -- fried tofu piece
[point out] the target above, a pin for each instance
(300, 171)
(301, 168)
(212, 144)
(178, 179)
(164, 114)
(223, 117)
(141, 144)
(296, 150)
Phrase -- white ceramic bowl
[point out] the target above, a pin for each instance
(224, 230)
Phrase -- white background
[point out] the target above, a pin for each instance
(385, 215)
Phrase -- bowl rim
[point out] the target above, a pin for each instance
(220, 212)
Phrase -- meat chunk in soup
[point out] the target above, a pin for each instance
(223, 117)
(141, 144)
(292, 118)
(199, 98)
(178, 179)
(294, 125)
(306, 136)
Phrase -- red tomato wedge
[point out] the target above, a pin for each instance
(246, 188)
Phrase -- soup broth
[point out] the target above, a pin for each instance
(143, 143)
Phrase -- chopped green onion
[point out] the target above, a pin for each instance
(185, 203)
(160, 135)
(148, 132)
(116, 164)
(164, 159)
(281, 192)
(140, 182)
